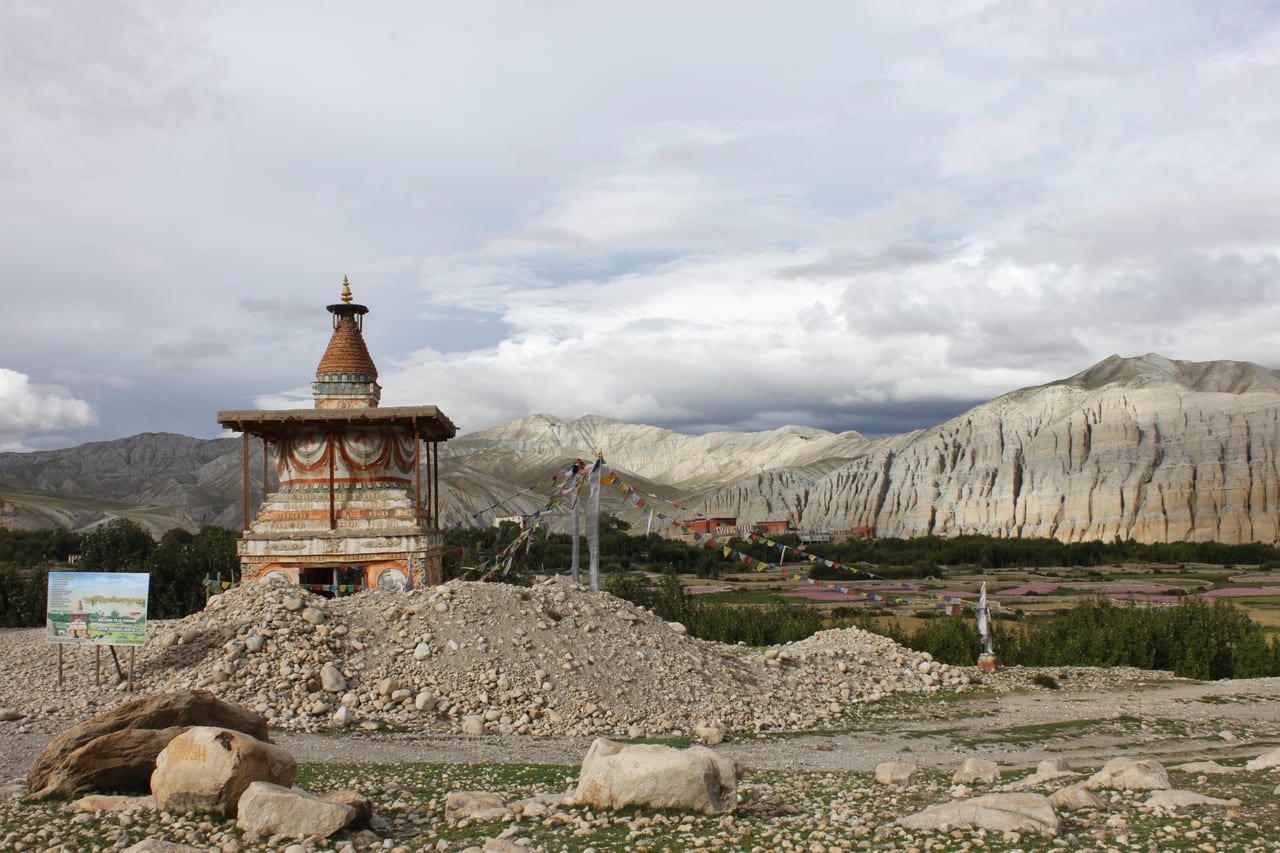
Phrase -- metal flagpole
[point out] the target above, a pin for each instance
(593, 527)
(575, 568)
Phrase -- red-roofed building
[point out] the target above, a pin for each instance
(713, 525)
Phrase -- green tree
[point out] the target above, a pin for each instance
(23, 594)
(180, 563)
(1253, 657)
(121, 545)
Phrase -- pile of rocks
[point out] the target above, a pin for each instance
(555, 658)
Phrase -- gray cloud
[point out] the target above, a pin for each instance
(854, 215)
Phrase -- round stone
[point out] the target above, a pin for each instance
(332, 679)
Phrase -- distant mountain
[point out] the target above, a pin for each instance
(1146, 447)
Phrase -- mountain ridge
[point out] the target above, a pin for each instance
(1144, 447)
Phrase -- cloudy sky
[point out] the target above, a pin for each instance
(695, 214)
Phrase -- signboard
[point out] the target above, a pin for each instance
(97, 608)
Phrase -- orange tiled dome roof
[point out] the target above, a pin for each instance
(347, 352)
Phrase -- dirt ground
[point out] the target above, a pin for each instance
(1171, 721)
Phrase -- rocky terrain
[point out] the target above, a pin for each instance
(1144, 448)
(554, 659)
(479, 676)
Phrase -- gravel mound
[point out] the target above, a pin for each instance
(554, 659)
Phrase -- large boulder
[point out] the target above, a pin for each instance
(1049, 770)
(1207, 768)
(1265, 761)
(208, 769)
(475, 805)
(897, 773)
(994, 813)
(616, 775)
(1074, 798)
(1130, 774)
(1167, 802)
(978, 770)
(117, 749)
(362, 804)
(269, 809)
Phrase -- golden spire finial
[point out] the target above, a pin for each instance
(346, 290)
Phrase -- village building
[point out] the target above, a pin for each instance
(723, 525)
(771, 528)
(358, 491)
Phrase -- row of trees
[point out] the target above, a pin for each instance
(890, 557)
(178, 564)
(1194, 639)
(926, 553)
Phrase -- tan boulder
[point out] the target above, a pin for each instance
(1074, 798)
(474, 805)
(1265, 761)
(503, 845)
(1167, 802)
(616, 775)
(711, 734)
(993, 812)
(117, 749)
(1130, 774)
(362, 804)
(208, 769)
(269, 809)
(897, 773)
(115, 761)
(978, 770)
(1206, 767)
(1049, 770)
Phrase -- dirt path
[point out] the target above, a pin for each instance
(1172, 722)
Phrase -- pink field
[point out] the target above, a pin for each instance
(1242, 592)
(1105, 587)
(1230, 592)
(1029, 589)
(816, 594)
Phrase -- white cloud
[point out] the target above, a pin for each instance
(831, 212)
(26, 408)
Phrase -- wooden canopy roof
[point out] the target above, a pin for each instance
(428, 423)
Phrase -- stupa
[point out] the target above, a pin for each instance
(351, 502)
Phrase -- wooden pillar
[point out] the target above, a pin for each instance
(333, 509)
(417, 472)
(428, 501)
(265, 474)
(435, 483)
(246, 480)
